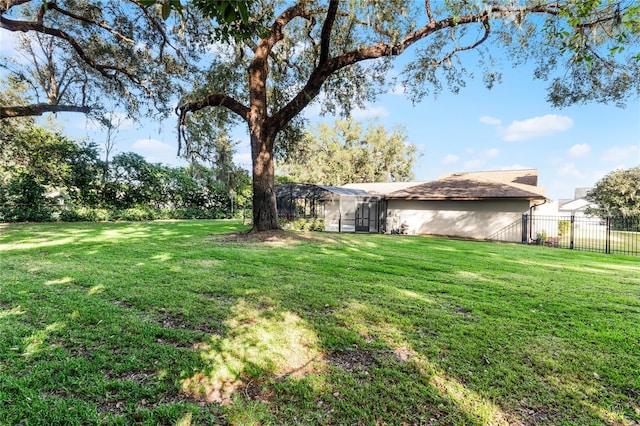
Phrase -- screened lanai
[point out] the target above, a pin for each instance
(342, 209)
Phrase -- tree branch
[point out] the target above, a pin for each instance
(26, 26)
(54, 6)
(213, 100)
(324, 70)
(325, 35)
(39, 109)
(485, 36)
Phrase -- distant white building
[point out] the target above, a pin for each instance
(578, 205)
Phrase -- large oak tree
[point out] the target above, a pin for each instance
(336, 52)
(342, 50)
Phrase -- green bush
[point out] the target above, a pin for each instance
(305, 225)
(71, 216)
(135, 214)
(26, 214)
(198, 213)
(563, 227)
(541, 237)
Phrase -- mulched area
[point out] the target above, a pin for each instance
(274, 237)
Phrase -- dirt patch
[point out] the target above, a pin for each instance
(353, 361)
(462, 311)
(277, 237)
(176, 321)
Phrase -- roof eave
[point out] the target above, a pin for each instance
(418, 198)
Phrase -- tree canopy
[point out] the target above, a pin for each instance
(339, 54)
(617, 194)
(345, 152)
(335, 53)
(78, 55)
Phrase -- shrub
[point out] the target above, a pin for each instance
(135, 214)
(71, 216)
(563, 227)
(26, 214)
(541, 237)
(302, 224)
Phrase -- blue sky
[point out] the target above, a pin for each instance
(509, 127)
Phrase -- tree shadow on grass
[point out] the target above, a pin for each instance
(271, 367)
(365, 364)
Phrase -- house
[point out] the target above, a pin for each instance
(468, 205)
(578, 205)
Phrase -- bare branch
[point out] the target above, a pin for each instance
(427, 8)
(39, 109)
(213, 100)
(485, 36)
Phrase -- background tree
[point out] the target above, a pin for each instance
(617, 194)
(312, 48)
(345, 152)
(81, 55)
(40, 166)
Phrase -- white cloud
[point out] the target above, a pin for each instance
(156, 151)
(570, 169)
(623, 153)
(480, 157)
(450, 159)
(579, 150)
(492, 121)
(370, 111)
(536, 127)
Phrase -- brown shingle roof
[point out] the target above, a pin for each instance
(521, 176)
(475, 186)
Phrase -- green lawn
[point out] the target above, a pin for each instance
(166, 323)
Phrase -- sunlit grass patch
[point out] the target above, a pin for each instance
(261, 342)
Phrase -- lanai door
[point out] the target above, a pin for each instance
(363, 217)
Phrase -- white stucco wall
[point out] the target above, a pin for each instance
(469, 219)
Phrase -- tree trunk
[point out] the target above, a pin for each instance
(265, 210)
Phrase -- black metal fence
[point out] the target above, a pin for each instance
(589, 233)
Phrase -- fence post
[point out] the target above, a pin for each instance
(607, 248)
(525, 222)
(572, 233)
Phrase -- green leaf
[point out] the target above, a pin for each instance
(166, 10)
(243, 10)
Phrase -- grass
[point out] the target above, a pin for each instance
(166, 323)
